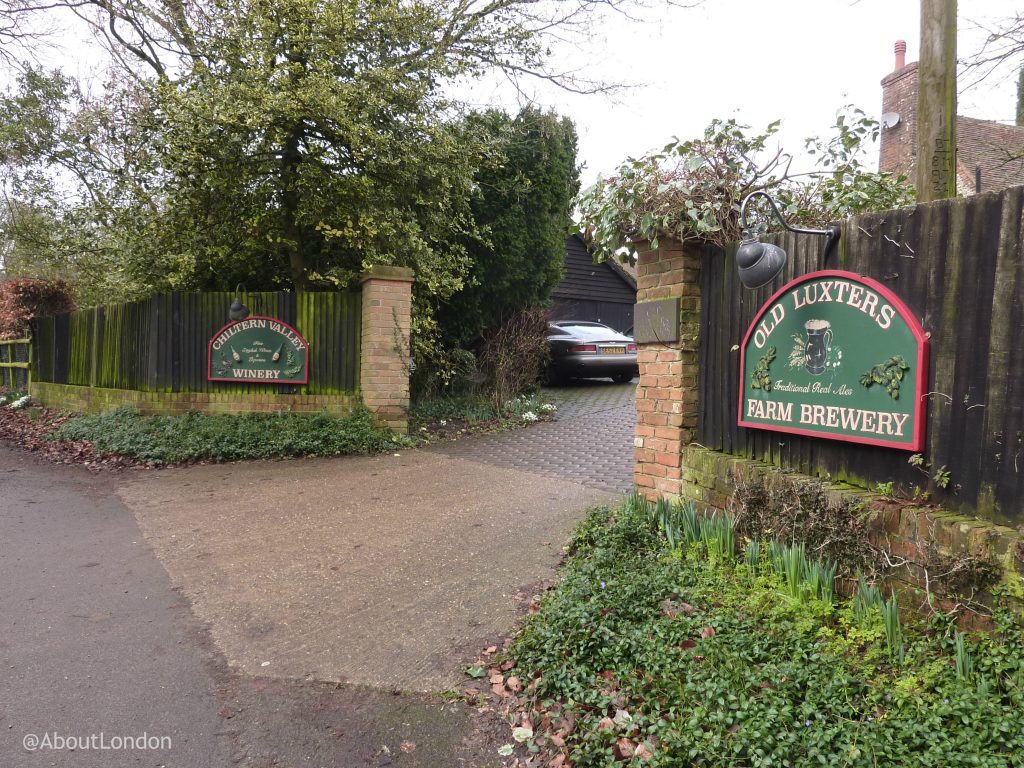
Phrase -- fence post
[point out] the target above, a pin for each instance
(667, 332)
(384, 345)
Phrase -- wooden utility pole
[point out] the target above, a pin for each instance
(936, 102)
(1020, 98)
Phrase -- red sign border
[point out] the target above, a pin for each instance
(293, 382)
(920, 412)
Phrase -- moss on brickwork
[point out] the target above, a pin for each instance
(99, 400)
(1012, 577)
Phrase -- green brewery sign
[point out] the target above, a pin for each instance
(836, 355)
(258, 350)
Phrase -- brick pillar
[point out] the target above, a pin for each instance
(666, 400)
(384, 345)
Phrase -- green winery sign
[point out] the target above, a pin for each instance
(836, 355)
(258, 349)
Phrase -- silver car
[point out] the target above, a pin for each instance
(588, 350)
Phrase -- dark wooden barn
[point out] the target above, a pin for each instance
(602, 293)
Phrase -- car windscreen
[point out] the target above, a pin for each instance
(589, 331)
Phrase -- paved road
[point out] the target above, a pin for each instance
(95, 639)
(265, 613)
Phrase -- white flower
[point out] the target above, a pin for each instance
(529, 416)
(548, 407)
(21, 402)
(444, 422)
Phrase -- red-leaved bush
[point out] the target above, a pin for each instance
(24, 298)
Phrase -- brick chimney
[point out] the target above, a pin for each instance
(898, 144)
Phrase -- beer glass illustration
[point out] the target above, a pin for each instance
(819, 344)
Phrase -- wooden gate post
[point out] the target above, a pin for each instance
(384, 345)
(667, 330)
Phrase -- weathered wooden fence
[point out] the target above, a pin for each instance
(15, 361)
(160, 344)
(959, 267)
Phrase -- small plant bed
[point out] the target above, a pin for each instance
(668, 644)
(447, 418)
(126, 438)
(204, 437)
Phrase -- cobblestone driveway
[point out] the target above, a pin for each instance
(591, 442)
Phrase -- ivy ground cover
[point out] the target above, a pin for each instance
(664, 645)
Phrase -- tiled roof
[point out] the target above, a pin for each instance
(996, 148)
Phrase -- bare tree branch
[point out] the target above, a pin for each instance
(1003, 48)
(27, 28)
(161, 38)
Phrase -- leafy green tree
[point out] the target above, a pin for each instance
(312, 149)
(68, 194)
(525, 189)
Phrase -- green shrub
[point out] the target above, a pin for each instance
(708, 662)
(205, 437)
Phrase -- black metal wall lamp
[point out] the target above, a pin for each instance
(758, 263)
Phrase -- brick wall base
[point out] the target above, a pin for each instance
(97, 399)
(908, 533)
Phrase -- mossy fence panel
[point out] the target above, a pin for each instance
(160, 344)
(959, 266)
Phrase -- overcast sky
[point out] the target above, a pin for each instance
(756, 60)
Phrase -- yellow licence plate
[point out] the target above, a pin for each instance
(613, 350)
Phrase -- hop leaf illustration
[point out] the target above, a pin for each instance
(759, 377)
(889, 374)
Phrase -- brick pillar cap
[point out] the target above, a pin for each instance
(381, 272)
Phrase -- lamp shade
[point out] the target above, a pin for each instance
(758, 263)
(237, 311)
